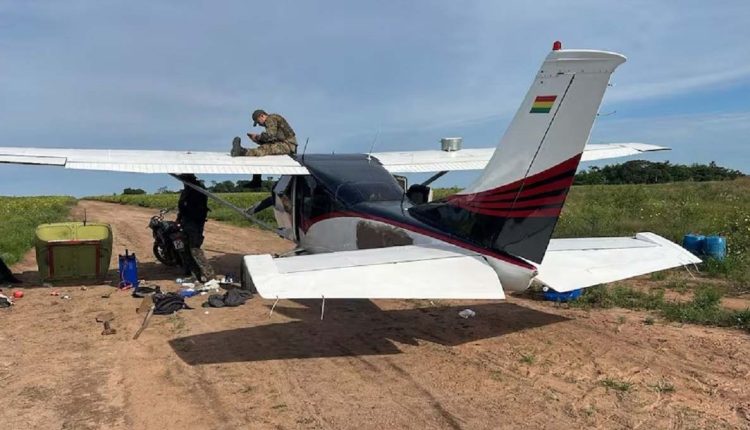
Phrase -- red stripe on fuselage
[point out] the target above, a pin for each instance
(510, 190)
(511, 204)
(425, 232)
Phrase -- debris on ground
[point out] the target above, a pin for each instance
(144, 291)
(168, 303)
(467, 313)
(17, 294)
(106, 318)
(5, 301)
(65, 297)
(235, 297)
(212, 285)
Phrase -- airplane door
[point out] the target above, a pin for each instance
(283, 207)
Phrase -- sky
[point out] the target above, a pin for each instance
(186, 75)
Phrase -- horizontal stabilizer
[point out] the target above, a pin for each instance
(402, 272)
(571, 264)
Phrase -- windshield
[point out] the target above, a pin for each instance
(354, 178)
(354, 192)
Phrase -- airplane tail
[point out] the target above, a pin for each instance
(515, 203)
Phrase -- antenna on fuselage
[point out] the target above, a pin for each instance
(304, 150)
(374, 141)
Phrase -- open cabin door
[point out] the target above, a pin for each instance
(284, 207)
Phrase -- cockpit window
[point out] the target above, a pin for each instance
(368, 191)
(354, 178)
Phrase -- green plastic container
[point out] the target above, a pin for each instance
(73, 252)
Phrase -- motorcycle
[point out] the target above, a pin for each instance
(170, 244)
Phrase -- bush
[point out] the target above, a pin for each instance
(133, 191)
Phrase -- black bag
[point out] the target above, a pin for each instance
(169, 303)
(234, 297)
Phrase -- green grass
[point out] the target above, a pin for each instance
(19, 217)
(614, 384)
(670, 210)
(528, 358)
(704, 308)
(218, 212)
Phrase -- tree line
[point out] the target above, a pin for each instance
(650, 172)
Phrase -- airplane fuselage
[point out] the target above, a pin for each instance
(326, 212)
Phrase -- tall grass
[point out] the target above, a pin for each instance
(670, 210)
(19, 217)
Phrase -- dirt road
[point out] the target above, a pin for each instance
(368, 365)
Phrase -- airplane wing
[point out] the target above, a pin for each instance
(149, 161)
(570, 264)
(200, 162)
(477, 159)
(401, 272)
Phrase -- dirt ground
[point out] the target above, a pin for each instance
(367, 365)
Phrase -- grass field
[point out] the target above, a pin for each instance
(670, 210)
(19, 217)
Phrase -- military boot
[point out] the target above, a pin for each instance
(256, 183)
(237, 149)
(207, 272)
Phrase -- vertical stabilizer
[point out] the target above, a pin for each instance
(514, 204)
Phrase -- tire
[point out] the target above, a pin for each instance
(164, 256)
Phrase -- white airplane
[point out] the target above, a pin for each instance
(365, 237)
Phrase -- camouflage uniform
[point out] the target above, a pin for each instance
(278, 139)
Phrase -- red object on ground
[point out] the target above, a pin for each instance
(17, 294)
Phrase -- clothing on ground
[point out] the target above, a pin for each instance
(231, 298)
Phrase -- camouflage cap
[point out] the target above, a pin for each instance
(256, 114)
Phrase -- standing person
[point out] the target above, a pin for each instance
(278, 139)
(192, 213)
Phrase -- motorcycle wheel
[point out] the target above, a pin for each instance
(164, 256)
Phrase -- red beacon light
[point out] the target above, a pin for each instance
(557, 45)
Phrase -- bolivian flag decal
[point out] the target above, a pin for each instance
(543, 104)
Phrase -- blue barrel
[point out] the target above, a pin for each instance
(715, 247)
(128, 270)
(694, 243)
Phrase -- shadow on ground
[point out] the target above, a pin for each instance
(356, 328)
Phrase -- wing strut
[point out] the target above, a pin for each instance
(434, 178)
(249, 214)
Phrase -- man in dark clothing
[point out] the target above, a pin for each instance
(192, 214)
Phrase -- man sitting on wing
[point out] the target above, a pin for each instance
(278, 139)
